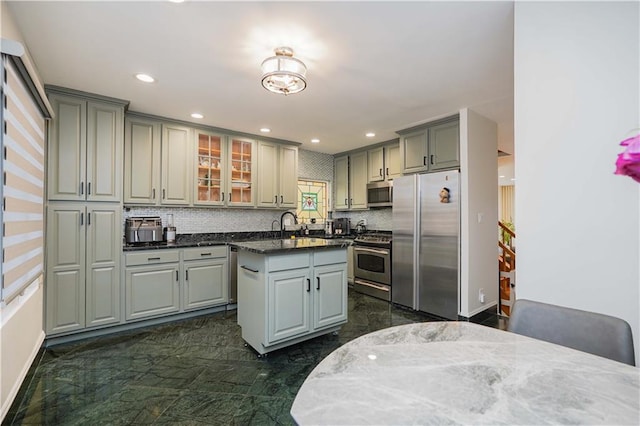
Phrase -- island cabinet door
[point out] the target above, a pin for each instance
(289, 294)
(330, 295)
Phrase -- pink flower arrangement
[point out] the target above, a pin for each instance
(628, 162)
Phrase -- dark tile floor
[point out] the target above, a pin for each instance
(193, 372)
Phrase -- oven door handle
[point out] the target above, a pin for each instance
(370, 250)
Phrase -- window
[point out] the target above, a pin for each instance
(312, 201)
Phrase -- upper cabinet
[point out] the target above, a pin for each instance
(351, 181)
(384, 163)
(433, 147)
(277, 175)
(242, 162)
(85, 148)
(157, 163)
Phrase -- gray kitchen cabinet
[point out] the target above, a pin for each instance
(83, 266)
(157, 162)
(241, 178)
(414, 152)
(176, 165)
(152, 283)
(384, 163)
(376, 164)
(141, 161)
(341, 182)
(358, 181)
(84, 154)
(433, 146)
(277, 175)
(206, 277)
(351, 181)
(444, 146)
(287, 298)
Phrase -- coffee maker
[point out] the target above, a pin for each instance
(341, 226)
(328, 227)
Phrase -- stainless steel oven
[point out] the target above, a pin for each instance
(372, 265)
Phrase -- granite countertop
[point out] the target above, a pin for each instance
(276, 246)
(214, 239)
(464, 373)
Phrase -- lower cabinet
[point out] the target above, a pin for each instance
(83, 266)
(161, 282)
(287, 298)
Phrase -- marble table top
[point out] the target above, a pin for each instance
(464, 373)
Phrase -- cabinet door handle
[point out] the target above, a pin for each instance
(81, 219)
(346, 202)
(89, 219)
(380, 172)
(308, 285)
(89, 188)
(431, 160)
(387, 171)
(164, 193)
(281, 199)
(153, 194)
(229, 197)
(275, 200)
(424, 160)
(249, 269)
(350, 202)
(177, 277)
(81, 188)
(223, 196)
(318, 283)
(186, 275)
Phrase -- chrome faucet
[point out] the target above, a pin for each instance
(295, 221)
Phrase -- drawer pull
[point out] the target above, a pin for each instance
(153, 258)
(205, 254)
(249, 269)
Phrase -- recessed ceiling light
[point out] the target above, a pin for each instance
(145, 77)
(176, 1)
(315, 140)
(265, 130)
(197, 115)
(501, 176)
(370, 134)
(513, 179)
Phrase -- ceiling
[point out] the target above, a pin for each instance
(372, 66)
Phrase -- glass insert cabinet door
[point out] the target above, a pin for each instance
(210, 168)
(241, 164)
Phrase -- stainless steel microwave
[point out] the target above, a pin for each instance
(380, 194)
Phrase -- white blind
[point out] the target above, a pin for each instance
(507, 208)
(23, 169)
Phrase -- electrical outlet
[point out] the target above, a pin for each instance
(481, 295)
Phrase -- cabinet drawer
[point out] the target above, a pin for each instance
(152, 257)
(329, 257)
(201, 253)
(288, 261)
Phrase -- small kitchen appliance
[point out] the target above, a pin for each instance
(143, 229)
(328, 227)
(170, 230)
(341, 226)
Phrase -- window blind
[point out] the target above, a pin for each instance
(23, 171)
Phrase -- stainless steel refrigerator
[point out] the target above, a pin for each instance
(426, 243)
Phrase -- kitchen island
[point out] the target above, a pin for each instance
(290, 290)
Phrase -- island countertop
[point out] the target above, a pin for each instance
(279, 246)
(464, 373)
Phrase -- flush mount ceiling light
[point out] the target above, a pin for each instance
(145, 77)
(283, 73)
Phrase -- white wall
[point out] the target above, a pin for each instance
(576, 96)
(479, 212)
